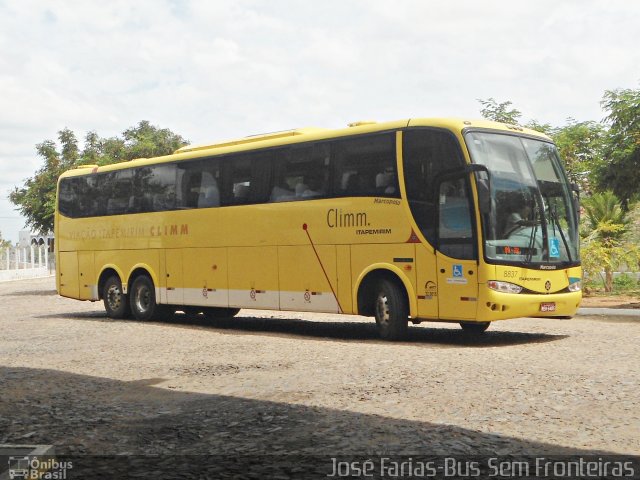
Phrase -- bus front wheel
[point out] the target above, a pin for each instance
(475, 327)
(116, 303)
(143, 301)
(391, 310)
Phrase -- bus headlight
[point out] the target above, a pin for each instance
(504, 287)
(575, 286)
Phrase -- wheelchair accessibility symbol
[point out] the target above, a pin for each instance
(554, 248)
(457, 277)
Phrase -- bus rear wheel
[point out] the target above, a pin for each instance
(116, 303)
(475, 328)
(214, 313)
(391, 311)
(143, 301)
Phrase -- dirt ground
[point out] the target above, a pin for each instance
(615, 301)
(270, 383)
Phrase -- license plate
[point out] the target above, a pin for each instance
(548, 307)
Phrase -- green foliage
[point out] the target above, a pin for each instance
(580, 145)
(605, 217)
(499, 112)
(36, 198)
(545, 128)
(503, 113)
(146, 141)
(620, 170)
(606, 243)
(624, 282)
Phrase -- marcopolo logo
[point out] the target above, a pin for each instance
(41, 468)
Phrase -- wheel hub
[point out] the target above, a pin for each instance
(142, 299)
(382, 309)
(114, 297)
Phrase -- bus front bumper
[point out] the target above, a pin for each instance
(494, 305)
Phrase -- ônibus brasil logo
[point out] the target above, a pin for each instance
(33, 467)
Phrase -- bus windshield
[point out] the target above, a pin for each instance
(532, 218)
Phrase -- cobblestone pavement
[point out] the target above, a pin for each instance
(290, 383)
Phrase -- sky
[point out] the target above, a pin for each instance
(213, 69)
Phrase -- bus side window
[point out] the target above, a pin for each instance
(77, 197)
(246, 179)
(87, 200)
(302, 173)
(157, 188)
(285, 177)
(116, 191)
(67, 197)
(366, 166)
(426, 153)
(198, 184)
(240, 180)
(455, 232)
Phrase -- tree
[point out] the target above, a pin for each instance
(499, 112)
(503, 113)
(4, 243)
(606, 244)
(545, 128)
(620, 170)
(580, 145)
(146, 141)
(36, 198)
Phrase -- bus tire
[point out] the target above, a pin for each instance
(143, 301)
(391, 310)
(116, 303)
(475, 328)
(214, 313)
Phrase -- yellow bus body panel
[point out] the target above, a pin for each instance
(301, 255)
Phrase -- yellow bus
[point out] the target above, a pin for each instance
(414, 220)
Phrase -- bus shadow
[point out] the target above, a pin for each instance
(358, 331)
(329, 331)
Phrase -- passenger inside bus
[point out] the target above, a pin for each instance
(520, 213)
(385, 183)
(209, 195)
(311, 186)
(282, 193)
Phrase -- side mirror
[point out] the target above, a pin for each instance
(483, 183)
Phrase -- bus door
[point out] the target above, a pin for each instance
(456, 253)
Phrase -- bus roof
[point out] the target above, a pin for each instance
(286, 137)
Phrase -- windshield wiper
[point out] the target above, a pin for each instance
(534, 232)
(533, 220)
(553, 215)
